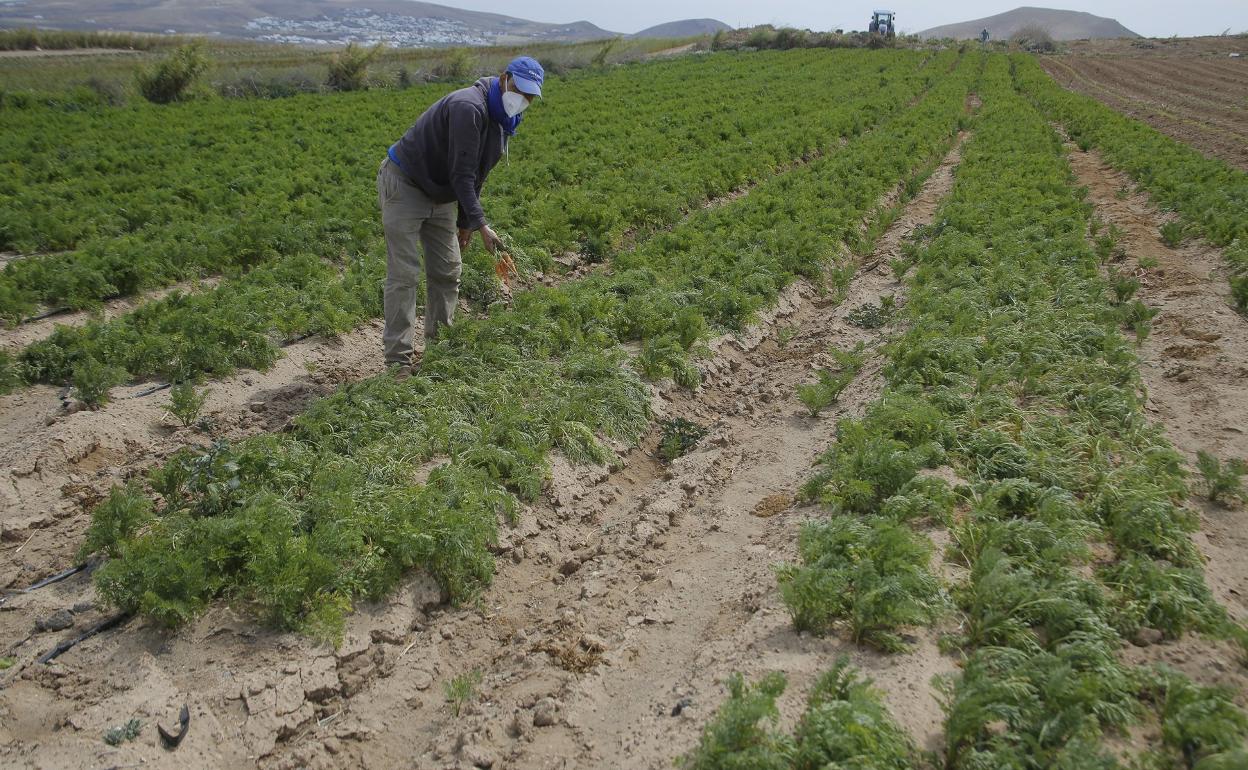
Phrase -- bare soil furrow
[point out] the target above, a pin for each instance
(1185, 82)
(1157, 98)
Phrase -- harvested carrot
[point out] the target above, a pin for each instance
(505, 268)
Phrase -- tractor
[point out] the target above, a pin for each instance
(884, 22)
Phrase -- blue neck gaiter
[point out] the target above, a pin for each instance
(494, 100)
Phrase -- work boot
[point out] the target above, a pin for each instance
(403, 372)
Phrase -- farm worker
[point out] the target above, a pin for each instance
(429, 188)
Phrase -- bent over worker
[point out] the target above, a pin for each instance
(429, 187)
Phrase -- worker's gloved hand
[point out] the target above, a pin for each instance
(490, 239)
(465, 238)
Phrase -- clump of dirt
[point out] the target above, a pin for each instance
(578, 655)
(771, 505)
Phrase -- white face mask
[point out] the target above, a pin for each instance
(514, 103)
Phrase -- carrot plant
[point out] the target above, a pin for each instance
(93, 379)
(1048, 411)
(186, 403)
(871, 573)
(845, 724)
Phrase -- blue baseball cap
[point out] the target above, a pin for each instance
(527, 74)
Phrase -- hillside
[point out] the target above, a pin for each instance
(396, 22)
(1062, 25)
(684, 28)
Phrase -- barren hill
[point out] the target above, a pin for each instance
(684, 28)
(397, 22)
(1062, 25)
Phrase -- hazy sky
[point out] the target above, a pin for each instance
(1147, 17)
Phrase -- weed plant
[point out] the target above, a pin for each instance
(462, 690)
(822, 394)
(115, 736)
(869, 315)
(1223, 480)
(679, 437)
(171, 78)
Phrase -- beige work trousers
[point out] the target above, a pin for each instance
(411, 220)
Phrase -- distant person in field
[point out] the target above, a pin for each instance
(983, 36)
(429, 188)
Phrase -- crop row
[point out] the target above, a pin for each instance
(144, 196)
(574, 180)
(384, 476)
(1012, 370)
(845, 725)
(1210, 196)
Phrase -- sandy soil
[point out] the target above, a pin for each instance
(1193, 91)
(619, 597)
(1194, 362)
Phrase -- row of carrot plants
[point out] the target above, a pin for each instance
(582, 177)
(1210, 196)
(1013, 371)
(300, 525)
(147, 195)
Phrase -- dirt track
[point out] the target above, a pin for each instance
(619, 596)
(1192, 90)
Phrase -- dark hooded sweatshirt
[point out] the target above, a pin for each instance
(451, 149)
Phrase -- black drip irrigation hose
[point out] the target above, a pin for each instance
(58, 577)
(98, 628)
(66, 309)
(45, 315)
(153, 389)
(298, 339)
